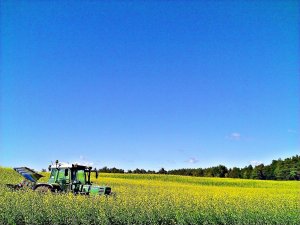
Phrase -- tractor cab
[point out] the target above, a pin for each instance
(70, 176)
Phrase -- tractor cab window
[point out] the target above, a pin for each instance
(61, 174)
(80, 176)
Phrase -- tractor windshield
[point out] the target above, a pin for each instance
(53, 173)
(58, 175)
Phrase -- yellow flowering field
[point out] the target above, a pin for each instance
(156, 199)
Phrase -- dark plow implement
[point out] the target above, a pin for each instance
(31, 177)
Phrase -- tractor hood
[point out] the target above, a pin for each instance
(28, 174)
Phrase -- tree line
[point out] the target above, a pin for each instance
(287, 169)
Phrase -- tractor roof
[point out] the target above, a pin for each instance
(68, 165)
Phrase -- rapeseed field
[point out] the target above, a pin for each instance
(156, 199)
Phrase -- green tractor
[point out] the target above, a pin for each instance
(63, 178)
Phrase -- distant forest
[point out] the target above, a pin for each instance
(287, 169)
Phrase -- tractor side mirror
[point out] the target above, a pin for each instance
(49, 168)
(66, 172)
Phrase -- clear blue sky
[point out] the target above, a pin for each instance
(149, 84)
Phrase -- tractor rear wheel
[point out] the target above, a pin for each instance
(42, 189)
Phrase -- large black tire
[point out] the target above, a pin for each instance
(42, 189)
(112, 195)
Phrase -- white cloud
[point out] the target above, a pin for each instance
(255, 162)
(84, 161)
(192, 160)
(235, 136)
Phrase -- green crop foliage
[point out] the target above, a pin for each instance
(156, 199)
